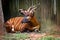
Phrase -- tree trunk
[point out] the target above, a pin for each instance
(2, 31)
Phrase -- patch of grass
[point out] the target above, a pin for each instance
(49, 38)
(24, 36)
(15, 36)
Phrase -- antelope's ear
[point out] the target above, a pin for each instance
(20, 10)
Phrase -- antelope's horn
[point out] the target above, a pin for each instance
(33, 7)
(29, 9)
(36, 6)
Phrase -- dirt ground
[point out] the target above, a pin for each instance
(34, 36)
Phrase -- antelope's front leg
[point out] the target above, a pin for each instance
(36, 28)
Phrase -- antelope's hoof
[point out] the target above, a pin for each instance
(36, 30)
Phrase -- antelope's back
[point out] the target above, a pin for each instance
(16, 21)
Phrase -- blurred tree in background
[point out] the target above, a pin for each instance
(2, 29)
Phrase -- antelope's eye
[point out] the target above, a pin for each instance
(22, 13)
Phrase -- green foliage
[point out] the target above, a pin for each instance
(16, 36)
(49, 38)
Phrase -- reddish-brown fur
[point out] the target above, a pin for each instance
(18, 26)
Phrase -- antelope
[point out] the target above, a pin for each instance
(20, 23)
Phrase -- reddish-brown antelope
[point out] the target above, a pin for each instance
(20, 24)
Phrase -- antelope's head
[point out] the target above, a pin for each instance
(29, 12)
